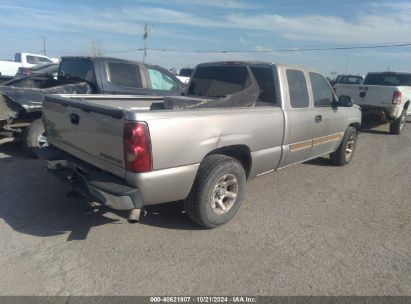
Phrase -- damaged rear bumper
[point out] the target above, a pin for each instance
(90, 182)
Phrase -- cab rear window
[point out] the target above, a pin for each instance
(388, 79)
(218, 81)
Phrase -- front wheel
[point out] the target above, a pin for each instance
(34, 138)
(346, 149)
(217, 192)
(396, 127)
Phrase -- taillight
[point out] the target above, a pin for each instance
(137, 147)
(26, 72)
(396, 97)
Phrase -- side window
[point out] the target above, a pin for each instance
(323, 95)
(31, 59)
(161, 81)
(124, 74)
(44, 60)
(297, 86)
(265, 80)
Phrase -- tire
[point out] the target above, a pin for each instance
(396, 127)
(345, 151)
(34, 138)
(209, 203)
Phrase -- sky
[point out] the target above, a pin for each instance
(265, 27)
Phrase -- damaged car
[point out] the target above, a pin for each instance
(21, 99)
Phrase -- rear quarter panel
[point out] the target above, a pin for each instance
(182, 138)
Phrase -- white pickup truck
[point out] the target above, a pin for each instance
(9, 68)
(385, 94)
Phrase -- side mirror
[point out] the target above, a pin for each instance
(345, 101)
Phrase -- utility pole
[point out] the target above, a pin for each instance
(145, 36)
(44, 45)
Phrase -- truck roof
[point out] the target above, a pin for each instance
(102, 58)
(390, 72)
(253, 62)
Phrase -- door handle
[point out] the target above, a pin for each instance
(318, 118)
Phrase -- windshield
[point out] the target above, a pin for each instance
(388, 79)
(218, 81)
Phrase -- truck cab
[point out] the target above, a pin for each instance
(108, 75)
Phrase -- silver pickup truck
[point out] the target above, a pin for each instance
(237, 120)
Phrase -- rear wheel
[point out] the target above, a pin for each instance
(345, 151)
(34, 138)
(217, 192)
(396, 127)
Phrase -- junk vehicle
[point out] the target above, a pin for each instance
(43, 69)
(386, 95)
(8, 68)
(237, 120)
(21, 99)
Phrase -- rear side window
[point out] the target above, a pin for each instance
(81, 70)
(124, 74)
(323, 95)
(218, 81)
(297, 87)
(31, 59)
(44, 60)
(161, 81)
(265, 80)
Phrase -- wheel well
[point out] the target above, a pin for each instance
(239, 152)
(355, 125)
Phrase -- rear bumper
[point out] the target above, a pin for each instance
(134, 191)
(385, 113)
(90, 182)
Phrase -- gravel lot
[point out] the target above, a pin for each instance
(311, 229)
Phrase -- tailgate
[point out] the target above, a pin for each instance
(375, 95)
(368, 95)
(89, 131)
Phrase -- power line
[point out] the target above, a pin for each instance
(297, 49)
(288, 49)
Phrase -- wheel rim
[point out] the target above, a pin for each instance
(224, 194)
(42, 141)
(349, 149)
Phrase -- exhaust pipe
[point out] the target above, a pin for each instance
(134, 215)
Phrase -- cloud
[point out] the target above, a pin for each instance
(191, 24)
(372, 26)
(221, 4)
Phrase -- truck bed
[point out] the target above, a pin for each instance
(91, 128)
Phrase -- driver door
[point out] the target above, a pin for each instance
(329, 119)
